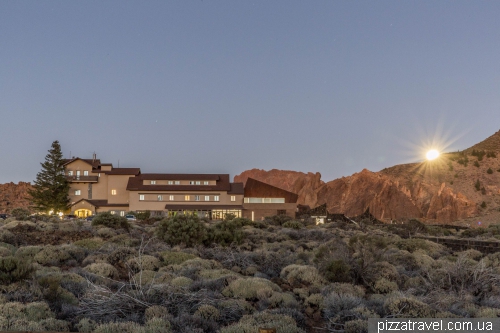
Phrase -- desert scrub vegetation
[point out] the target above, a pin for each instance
(111, 221)
(333, 276)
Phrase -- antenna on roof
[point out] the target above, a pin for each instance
(93, 157)
(118, 163)
(70, 154)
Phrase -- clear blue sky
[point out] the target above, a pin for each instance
(225, 86)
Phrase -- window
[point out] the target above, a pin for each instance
(98, 175)
(233, 198)
(85, 173)
(177, 182)
(153, 182)
(70, 173)
(141, 197)
(170, 182)
(207, 198)
(122, 213)
(196, 198)
(216, 198)
(113, 192)
(205, 182)
(171, 198)
(187, 198)
(112, 212)
(160, 198)
(78, 192)
(198, 182)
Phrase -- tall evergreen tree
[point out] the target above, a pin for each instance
(50, 190)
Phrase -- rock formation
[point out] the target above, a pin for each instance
(14, 196)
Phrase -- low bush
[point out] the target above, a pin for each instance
(297, 275)
(176, 257)
(406, 307)
(293, 224)
(182, 229)
(111, 221)
(52, 256)
(226, 232)
(102, 269)
(249, 324)
(14, 269)
(20, 214)
(251, 288)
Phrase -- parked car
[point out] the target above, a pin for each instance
(3, 216)
(131, 217)
(89, 218)
(69, 217)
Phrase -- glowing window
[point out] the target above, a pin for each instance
(233, 198)
(171, 198)
(187, 198)
(216, 198)
(113, 192)
(78, 192)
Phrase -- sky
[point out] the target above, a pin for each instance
(212, 86)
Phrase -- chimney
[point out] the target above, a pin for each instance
(93, 157)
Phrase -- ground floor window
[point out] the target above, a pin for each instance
(83, 212)
(215, 214)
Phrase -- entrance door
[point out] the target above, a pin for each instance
(83, 212)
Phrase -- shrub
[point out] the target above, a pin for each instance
(483, 204)
(86, 325)
(293, 224)
(91, 244)
(7, 237)
(226, 232)
(296, 275)
(489, 171)
(406, 307)
(208, 312)
(384, 286)
(250, 288)
(181, 281)
(102, 269)
(249, 324)
(52, 256)
(186, 229)
(111, 221)
(14, 269)
(121, 327)
(476, 164)
(337, 302)
(477, 185)
(176, 257)
(356, 326)
(336, 271)
(20, 214)
(143, 215)
(155, 311)
(146, 262)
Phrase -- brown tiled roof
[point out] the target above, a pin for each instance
(201, 207)
(136, 183)
(122, 171)
(258, 189)
(236, 188)
(102, 203)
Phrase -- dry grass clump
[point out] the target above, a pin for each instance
(102, 269)
(208, 312)
(37, 316)
(106, 232)
(28, 252)
(156, 311)
(407, 307)
(181, 281)
(217, 273)
(52, 256)
(146, 262)
(14, 269)
(91, 244)
(5, 252)
(297, 275)
(175, 257)
(7, 237)
(251, 288)
(249, 324)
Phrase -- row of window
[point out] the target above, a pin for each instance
(79, 192)
(187, 197)
(85, 173)
(178, 182)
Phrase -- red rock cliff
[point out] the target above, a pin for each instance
(14, 196)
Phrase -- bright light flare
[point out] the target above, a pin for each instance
(432, 154)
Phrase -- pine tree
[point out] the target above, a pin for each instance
(50, 190)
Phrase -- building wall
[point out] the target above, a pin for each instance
(100, 189)
(83, 205)
(113, 208)
(79, 165)
(84, 189)
(119, 184)
(151, 199)
(262, 210)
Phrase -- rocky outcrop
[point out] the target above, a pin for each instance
(14, 196)
(303, 184)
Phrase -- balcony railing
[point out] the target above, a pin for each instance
(85, 179)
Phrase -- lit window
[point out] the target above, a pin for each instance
(113, 192)
(98, 175)
(198, 183)
(171, 198)
(70, 173)
(141, 197)
(113, 212)
(196, 198)
(122, 213)
(216, 198)
(233, 198)
(170, 182)
(153, 182)
(177, 182)
(187, 198)
(78, 192)
(205, 182)
(160, 198)
(85, 173)
(207, 198)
